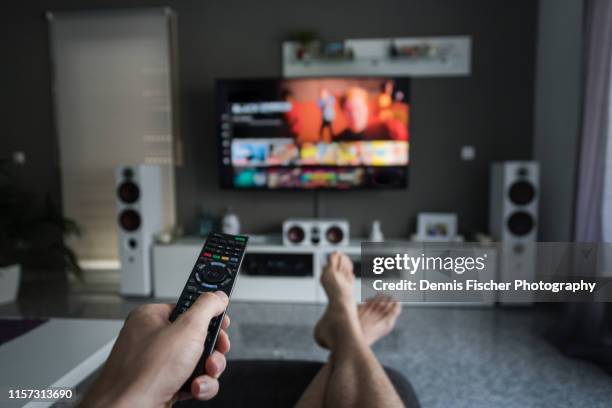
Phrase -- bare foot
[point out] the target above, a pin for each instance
(337, 278)
(377, 317)
(340, 317)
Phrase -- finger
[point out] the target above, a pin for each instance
(151, 309)
(341, 260)
(215, 364)
(150, 316)
(346, 263)
(375, 301)
(337, 260)
(379, 303)
(207, 306)
(223, 342)
(204, 387)
(163, 309)
(226, 322)
(397, 308)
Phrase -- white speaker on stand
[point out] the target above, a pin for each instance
(513, 221)
(139, 217)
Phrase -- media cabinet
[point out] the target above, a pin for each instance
(271, 271)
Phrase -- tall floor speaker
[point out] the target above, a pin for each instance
(513, 221)
(139, 217)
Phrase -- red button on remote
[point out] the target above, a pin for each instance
(207, 254)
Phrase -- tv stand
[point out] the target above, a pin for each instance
(271, 271)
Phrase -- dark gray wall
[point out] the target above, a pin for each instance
(557, 113)
(491, 109)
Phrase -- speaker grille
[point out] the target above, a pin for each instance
(334, 234)
(296, 234)
(520, 223)
(129, 220)
(521, 193)
(128, 192)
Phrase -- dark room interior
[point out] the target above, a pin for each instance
(320, 150)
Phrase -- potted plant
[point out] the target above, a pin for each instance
(307, 44)
(31, 234)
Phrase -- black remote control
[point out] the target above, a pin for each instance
(215, 269)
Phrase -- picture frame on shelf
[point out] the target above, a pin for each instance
(437, 227)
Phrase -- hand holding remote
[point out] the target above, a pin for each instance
(216, 269)
(152, 357)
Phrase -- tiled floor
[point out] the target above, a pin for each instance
(454, 357)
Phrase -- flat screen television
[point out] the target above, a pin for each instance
(314, 133)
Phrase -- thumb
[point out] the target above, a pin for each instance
(207, 306)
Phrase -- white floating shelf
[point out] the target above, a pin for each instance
(452, 57)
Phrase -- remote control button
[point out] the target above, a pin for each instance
(191, 288)
(234, 259)
(225, 258)
(207, 254)
(216, 256)
(214, 273)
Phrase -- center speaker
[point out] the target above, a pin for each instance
(513, 221)
(315, 231)
(139, 217)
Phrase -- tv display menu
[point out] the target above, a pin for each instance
(316, 133)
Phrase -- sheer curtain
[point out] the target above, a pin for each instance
(594, 200)
(594, 189)
(582, 326)
(606, 210)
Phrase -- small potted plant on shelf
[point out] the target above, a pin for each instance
(307, 44)
(31, 233)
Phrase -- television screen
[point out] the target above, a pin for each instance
(316, 133)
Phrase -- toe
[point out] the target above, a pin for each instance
(390, 307)
(381, 303)
(392, 310)
(374, 300)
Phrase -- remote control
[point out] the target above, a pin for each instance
(215, 269)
